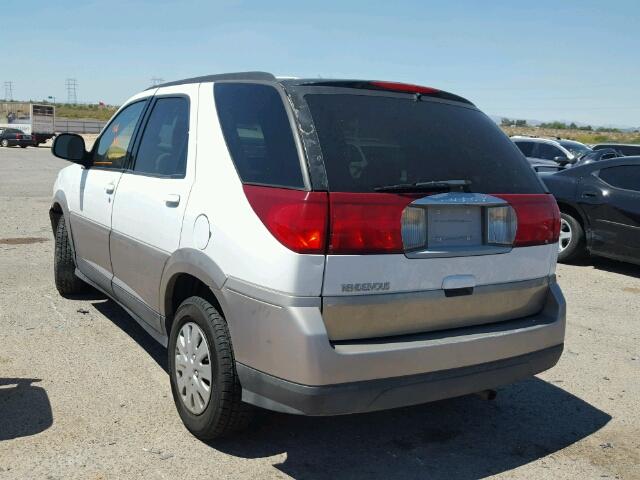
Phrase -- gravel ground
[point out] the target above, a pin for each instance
(84, 392)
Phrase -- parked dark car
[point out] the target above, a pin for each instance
(10, 137)
(598, 155)
(624, 148)
(600, 207)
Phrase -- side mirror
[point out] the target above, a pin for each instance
(70, 146)
(563, 160)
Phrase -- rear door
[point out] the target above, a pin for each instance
(152, 195)
(391, 271)
(611, 198)
(91, 217)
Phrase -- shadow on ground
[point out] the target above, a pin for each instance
(24, 408)
(123, 320)
(613, 266)
(462, 438)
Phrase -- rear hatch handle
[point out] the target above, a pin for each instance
(458, 285)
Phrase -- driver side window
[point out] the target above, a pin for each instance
(548, 152)
(114, 144)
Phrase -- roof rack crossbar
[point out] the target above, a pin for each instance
(221, 76)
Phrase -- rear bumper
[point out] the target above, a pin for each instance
(277, 394)
(286, 361)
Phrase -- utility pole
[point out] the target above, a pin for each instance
(8, 91)
(156, 81)
(72, 90)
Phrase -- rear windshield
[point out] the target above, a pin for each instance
(372, 141)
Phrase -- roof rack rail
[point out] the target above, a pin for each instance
(219, 76)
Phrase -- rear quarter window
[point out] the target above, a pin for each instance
(369, 141)
(258, 134)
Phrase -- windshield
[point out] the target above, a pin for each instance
(576, 148)
(369, 141)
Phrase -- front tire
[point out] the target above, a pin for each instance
(204, 382)
(4, 143)
(571, 245)
(64, 266)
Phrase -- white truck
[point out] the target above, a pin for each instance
(37, 120)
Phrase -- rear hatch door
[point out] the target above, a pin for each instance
(435, 215)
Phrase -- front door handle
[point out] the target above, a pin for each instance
(110, 188)
(589, 194)
(172, 200)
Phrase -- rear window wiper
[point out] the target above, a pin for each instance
(444, 185)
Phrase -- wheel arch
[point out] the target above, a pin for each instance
(574, 212)
(189, 272)
(60, 209)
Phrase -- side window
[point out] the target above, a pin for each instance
(113, 145)
(525, 147)
(258, 134)
(623, 176)
(548, 152)
(163, 148)
(629, 150)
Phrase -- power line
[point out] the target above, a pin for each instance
(8, 90)
(72, 90)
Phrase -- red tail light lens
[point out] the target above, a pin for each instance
(297, 219)
(538, 218)
(18, 136)
(364, 223)
(404, 87)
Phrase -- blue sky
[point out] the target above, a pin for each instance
(569, 60)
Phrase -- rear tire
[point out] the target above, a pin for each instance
(64, 266)
(223, 412)
(23, 146)
(571, 245)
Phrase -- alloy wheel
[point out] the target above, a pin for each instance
(565, 235)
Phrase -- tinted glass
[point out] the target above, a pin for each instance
(525, 147)
(576, 148)
(111, 150)
(163, 148)
(258, 134)
(548, 152)
(369, 141)
(624, 176)
(629, 150)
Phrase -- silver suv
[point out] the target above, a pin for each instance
(315, 247)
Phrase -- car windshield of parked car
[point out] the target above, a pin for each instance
(576, 148)
(369, 141)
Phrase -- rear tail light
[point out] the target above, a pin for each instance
(377, 223)
(538, 218)
(364, 223)
(336, 223)
(414, 228)
(18, 136)
(501, 225)
(297, 219)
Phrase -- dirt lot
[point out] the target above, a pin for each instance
(84, 392)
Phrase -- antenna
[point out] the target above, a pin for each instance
(156, 81)
(72, 90)
(8, 91)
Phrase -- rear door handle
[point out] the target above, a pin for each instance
(110, 188)
(172, 200)
(589, 194)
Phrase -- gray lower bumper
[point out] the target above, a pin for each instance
(273, 393)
